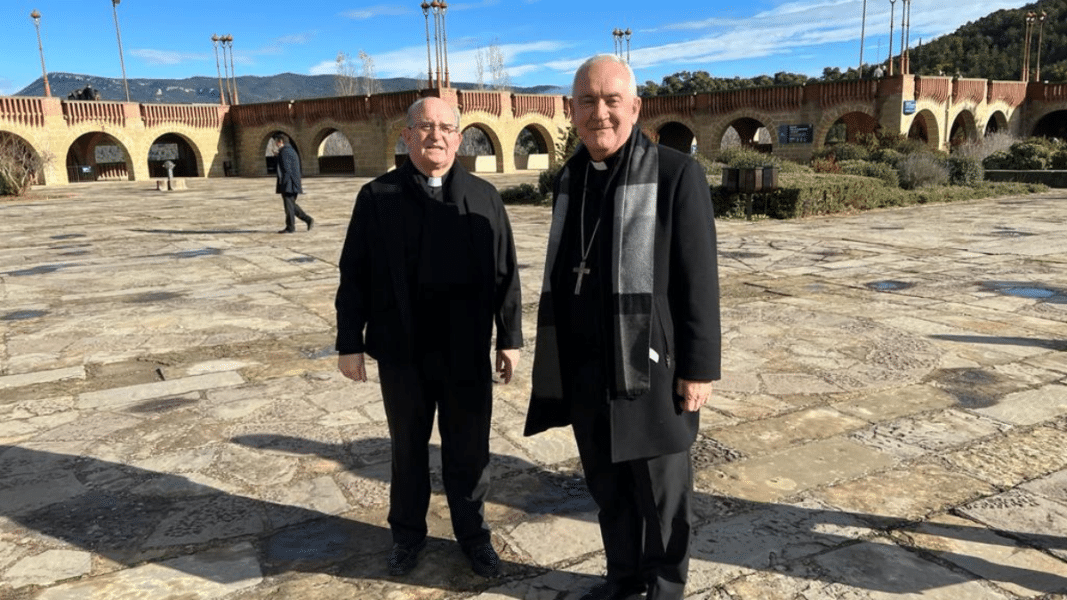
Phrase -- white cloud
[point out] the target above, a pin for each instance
(167, 57)
(380, 10)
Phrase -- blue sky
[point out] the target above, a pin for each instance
(542, 40)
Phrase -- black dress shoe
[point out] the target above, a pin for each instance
(403, 558)
(310, 222)
(287, 231)
(612, 591)
(484, 560)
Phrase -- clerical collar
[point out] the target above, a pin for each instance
(434, 181)
(599, 165)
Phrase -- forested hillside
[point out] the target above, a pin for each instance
(989, 48)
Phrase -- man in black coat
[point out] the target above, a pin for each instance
(628, 338)
(428, 266)
(288, 168)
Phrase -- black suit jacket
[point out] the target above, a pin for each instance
(375, 305)
(288, 165)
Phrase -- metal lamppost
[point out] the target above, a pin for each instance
(1030, 18)
(628, 33)
(892, 16)
(227, 41)
(215, 42)
(36, 16)
(863, 34)
(1040, 32)
(616, 37)
(425, 6)
(444, 42)
(118, 34)
(907, 44)
(435, 6)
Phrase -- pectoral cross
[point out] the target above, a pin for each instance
(582, 271)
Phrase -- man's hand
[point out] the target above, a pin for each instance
(506, 363)
(351, 366)
(694, 394)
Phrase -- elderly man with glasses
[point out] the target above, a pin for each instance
(428, 268)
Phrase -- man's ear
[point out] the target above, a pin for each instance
(637, 108)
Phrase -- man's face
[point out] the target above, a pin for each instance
(433, 140)
(603, 109)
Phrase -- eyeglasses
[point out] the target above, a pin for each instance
(427, 128)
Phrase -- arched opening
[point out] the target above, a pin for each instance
(749, 133)
(532, 149)
(476, 152)
(678, 136)
(997, 123)
(20, 165)
(98, 156)
(1052, 125)
(851, 128)
(924, 129)
(335, 155)
(176, 149)
(269, 151)
(963, 130)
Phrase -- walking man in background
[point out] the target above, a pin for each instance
(428, 267)
(628, 338)
(288, 167)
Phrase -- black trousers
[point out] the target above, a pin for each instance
(293, 211)
(411, 394)
(645, 507)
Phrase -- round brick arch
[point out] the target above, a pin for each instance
(83, 148)
(722, 125)
(997, 122)
(964, 128)
(857, 117)
(23, 143)
(199, 168)
(494, 139)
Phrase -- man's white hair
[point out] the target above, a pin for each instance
(415, 111)
(599, 58)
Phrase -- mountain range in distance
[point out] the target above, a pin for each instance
(250, 89)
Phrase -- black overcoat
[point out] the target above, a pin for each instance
(375, 308)
(288, 166)
(685, 330)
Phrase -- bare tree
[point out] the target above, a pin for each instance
(344, 81)
(498, 72)
(20, 166)
(370, 83)
(479, 67)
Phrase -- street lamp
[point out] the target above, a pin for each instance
(892, 16)
(1040, 32)
(425, 6)
(444, 41)
(628, 33)
(118, 34)
(36, 16)
(215, 43)
(227, 42)
(863, 35)
(1030, 18)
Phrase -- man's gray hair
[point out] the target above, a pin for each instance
(415, 111)
(599, 58)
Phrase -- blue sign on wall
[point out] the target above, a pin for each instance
(909, 107)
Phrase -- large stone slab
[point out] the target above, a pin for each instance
(787, 473)
(884, 405)
(550, 541)
(1022, 571)
(124, 396)
(910, 437)
(1017, 456)
(49, 567)
(768, 435)
(1030, 407)
(47, 376)
(1036, 519)
(908, 493)
(207, 576)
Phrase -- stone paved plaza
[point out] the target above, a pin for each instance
(891, 422)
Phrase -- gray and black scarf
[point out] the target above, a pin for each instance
(633, 237)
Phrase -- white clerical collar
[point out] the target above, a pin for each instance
(434, 181)
(599, 165)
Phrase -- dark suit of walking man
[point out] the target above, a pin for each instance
(288, 167)
(628, 338)
(428, 267)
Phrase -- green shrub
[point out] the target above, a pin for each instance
(546, 181)
(922, 169)
(1033, 154)
(843, 152)
(887, 156)
(965, 170)
(1059, 159)
(521, 194)
(825, 165)
(881, 171)
(986, 146)
(999, 160)
(747, 158)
